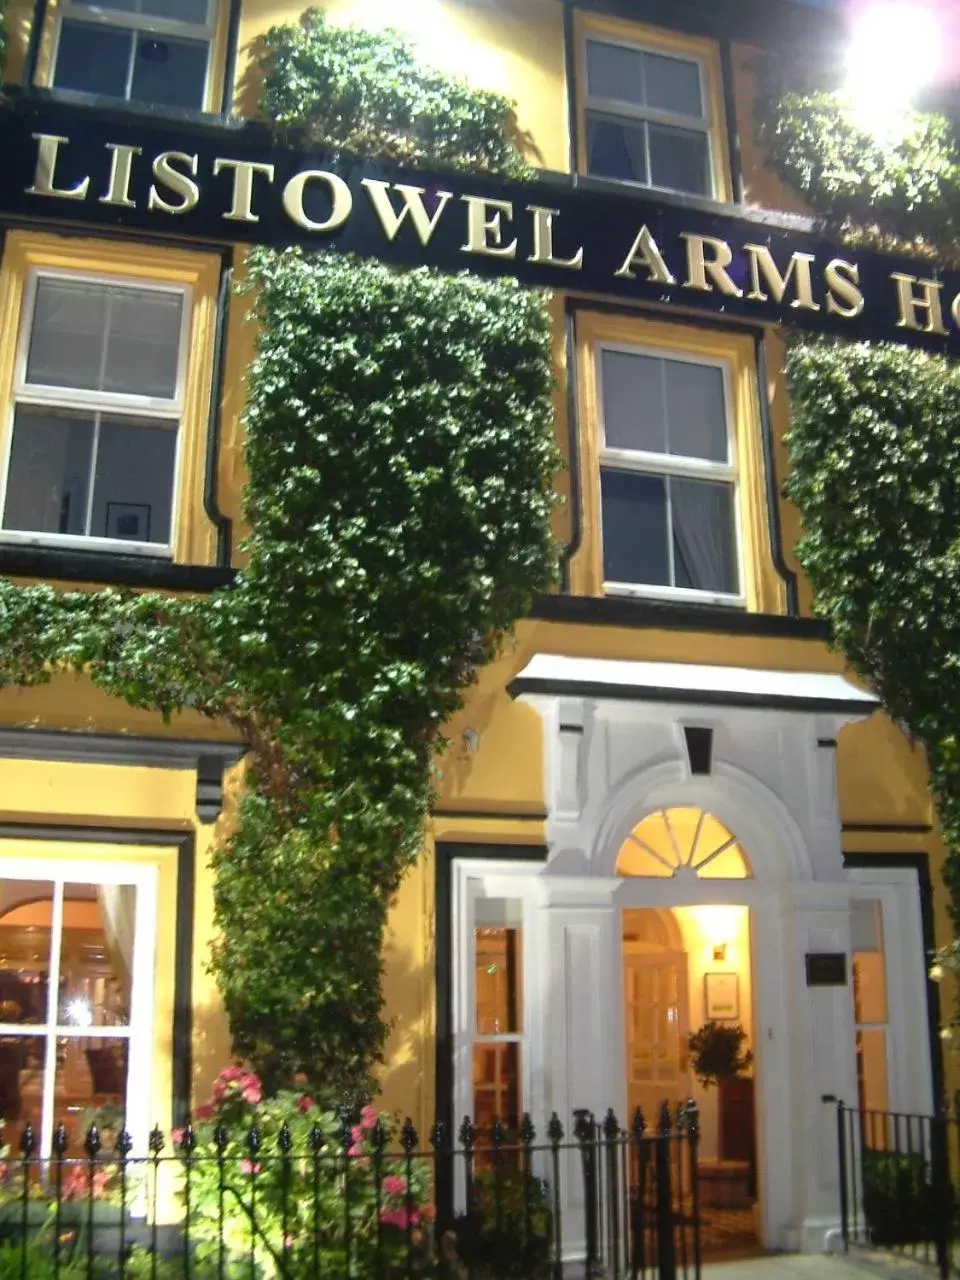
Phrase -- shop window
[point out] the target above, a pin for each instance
(650, 108)
(498, 1043)
(76, 996)
(668, 494)
(870, 1017)
(109, 384)
(151, 51)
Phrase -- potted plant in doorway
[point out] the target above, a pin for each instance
(719, 1056)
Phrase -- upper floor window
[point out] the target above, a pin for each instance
(647, 118)
(154, 51)
(98, 396)
(668, 476)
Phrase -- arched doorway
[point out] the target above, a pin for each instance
(687, 969)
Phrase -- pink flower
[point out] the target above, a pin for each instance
(203, 1112)
(249, 1168)
(355, 1151)
(306, 1104)
(394, 1218)
(219, 1091)
(393, 1185)
(252, 1094)
(229, 1074)
(176, 1136)
(368, 1118)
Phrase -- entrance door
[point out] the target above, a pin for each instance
(657, 1023)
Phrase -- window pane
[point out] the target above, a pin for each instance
(498, 970)
(872, 1070)
(634, 527)
(616, 149)
(49, 471)
(67, 332)
(704, 545)
(869, 987)
(21, 1086)
(96, 955)
(177, 10)
(615, 72)
(143, 344)
(168, 72)
(678, 160)
(696, 410)
(105, 337)
(672, 84)
(633, 409)
(91, 1087)
(26, 918)
(496, 1084)
(133, 487)
(93, 58)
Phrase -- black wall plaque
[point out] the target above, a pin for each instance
(826, 969)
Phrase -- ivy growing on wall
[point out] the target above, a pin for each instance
(875, 436)
(400, 459)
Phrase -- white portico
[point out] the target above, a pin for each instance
(753, 753)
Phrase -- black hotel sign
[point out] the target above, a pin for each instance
(235, 184)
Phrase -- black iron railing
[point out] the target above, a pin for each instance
(897, 1192)
(357, 1201)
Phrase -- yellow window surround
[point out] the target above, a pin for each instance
(64, 858)
(193, 538)
(216, 65)
(762, 590)
(642, 36)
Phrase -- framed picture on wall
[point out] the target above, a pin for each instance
(128, 520)
(721, 997)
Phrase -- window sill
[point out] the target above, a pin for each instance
(67, 564)
(675, 595)
(119, 106)
(668, 615)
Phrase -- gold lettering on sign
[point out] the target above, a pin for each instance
(699, 266)
(176, 181)
(341, 200)
(47, 153)
(644, 252)
(762, 264)
(121, 163)
(543, 240)
(484, 231)
(413, 208)
(844, 297)
(243, 173)
(910, 304)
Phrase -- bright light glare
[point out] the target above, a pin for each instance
(896, 50)
(80, 1013)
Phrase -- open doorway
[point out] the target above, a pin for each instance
(685, 969)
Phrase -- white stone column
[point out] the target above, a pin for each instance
(583, 1032)
(828, 1060)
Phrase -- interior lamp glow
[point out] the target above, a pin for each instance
(896, 50)
(79, 1012)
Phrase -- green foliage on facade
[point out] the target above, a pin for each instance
(366, 93)
(898, 193)
(875, 439)
(400, 455)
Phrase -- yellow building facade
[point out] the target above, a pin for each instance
(660, 804)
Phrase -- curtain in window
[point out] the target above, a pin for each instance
(118, 904)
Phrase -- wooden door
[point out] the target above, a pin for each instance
(655, 989)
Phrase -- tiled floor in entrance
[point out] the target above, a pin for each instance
(726, 1233)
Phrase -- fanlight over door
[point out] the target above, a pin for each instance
(682, 843)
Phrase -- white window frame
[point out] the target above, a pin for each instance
(669, 464)
(138, 24)
(473, 879)
(649, 115)
(106, 402)
(139, 1031)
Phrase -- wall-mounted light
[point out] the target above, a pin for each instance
(471, 740)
